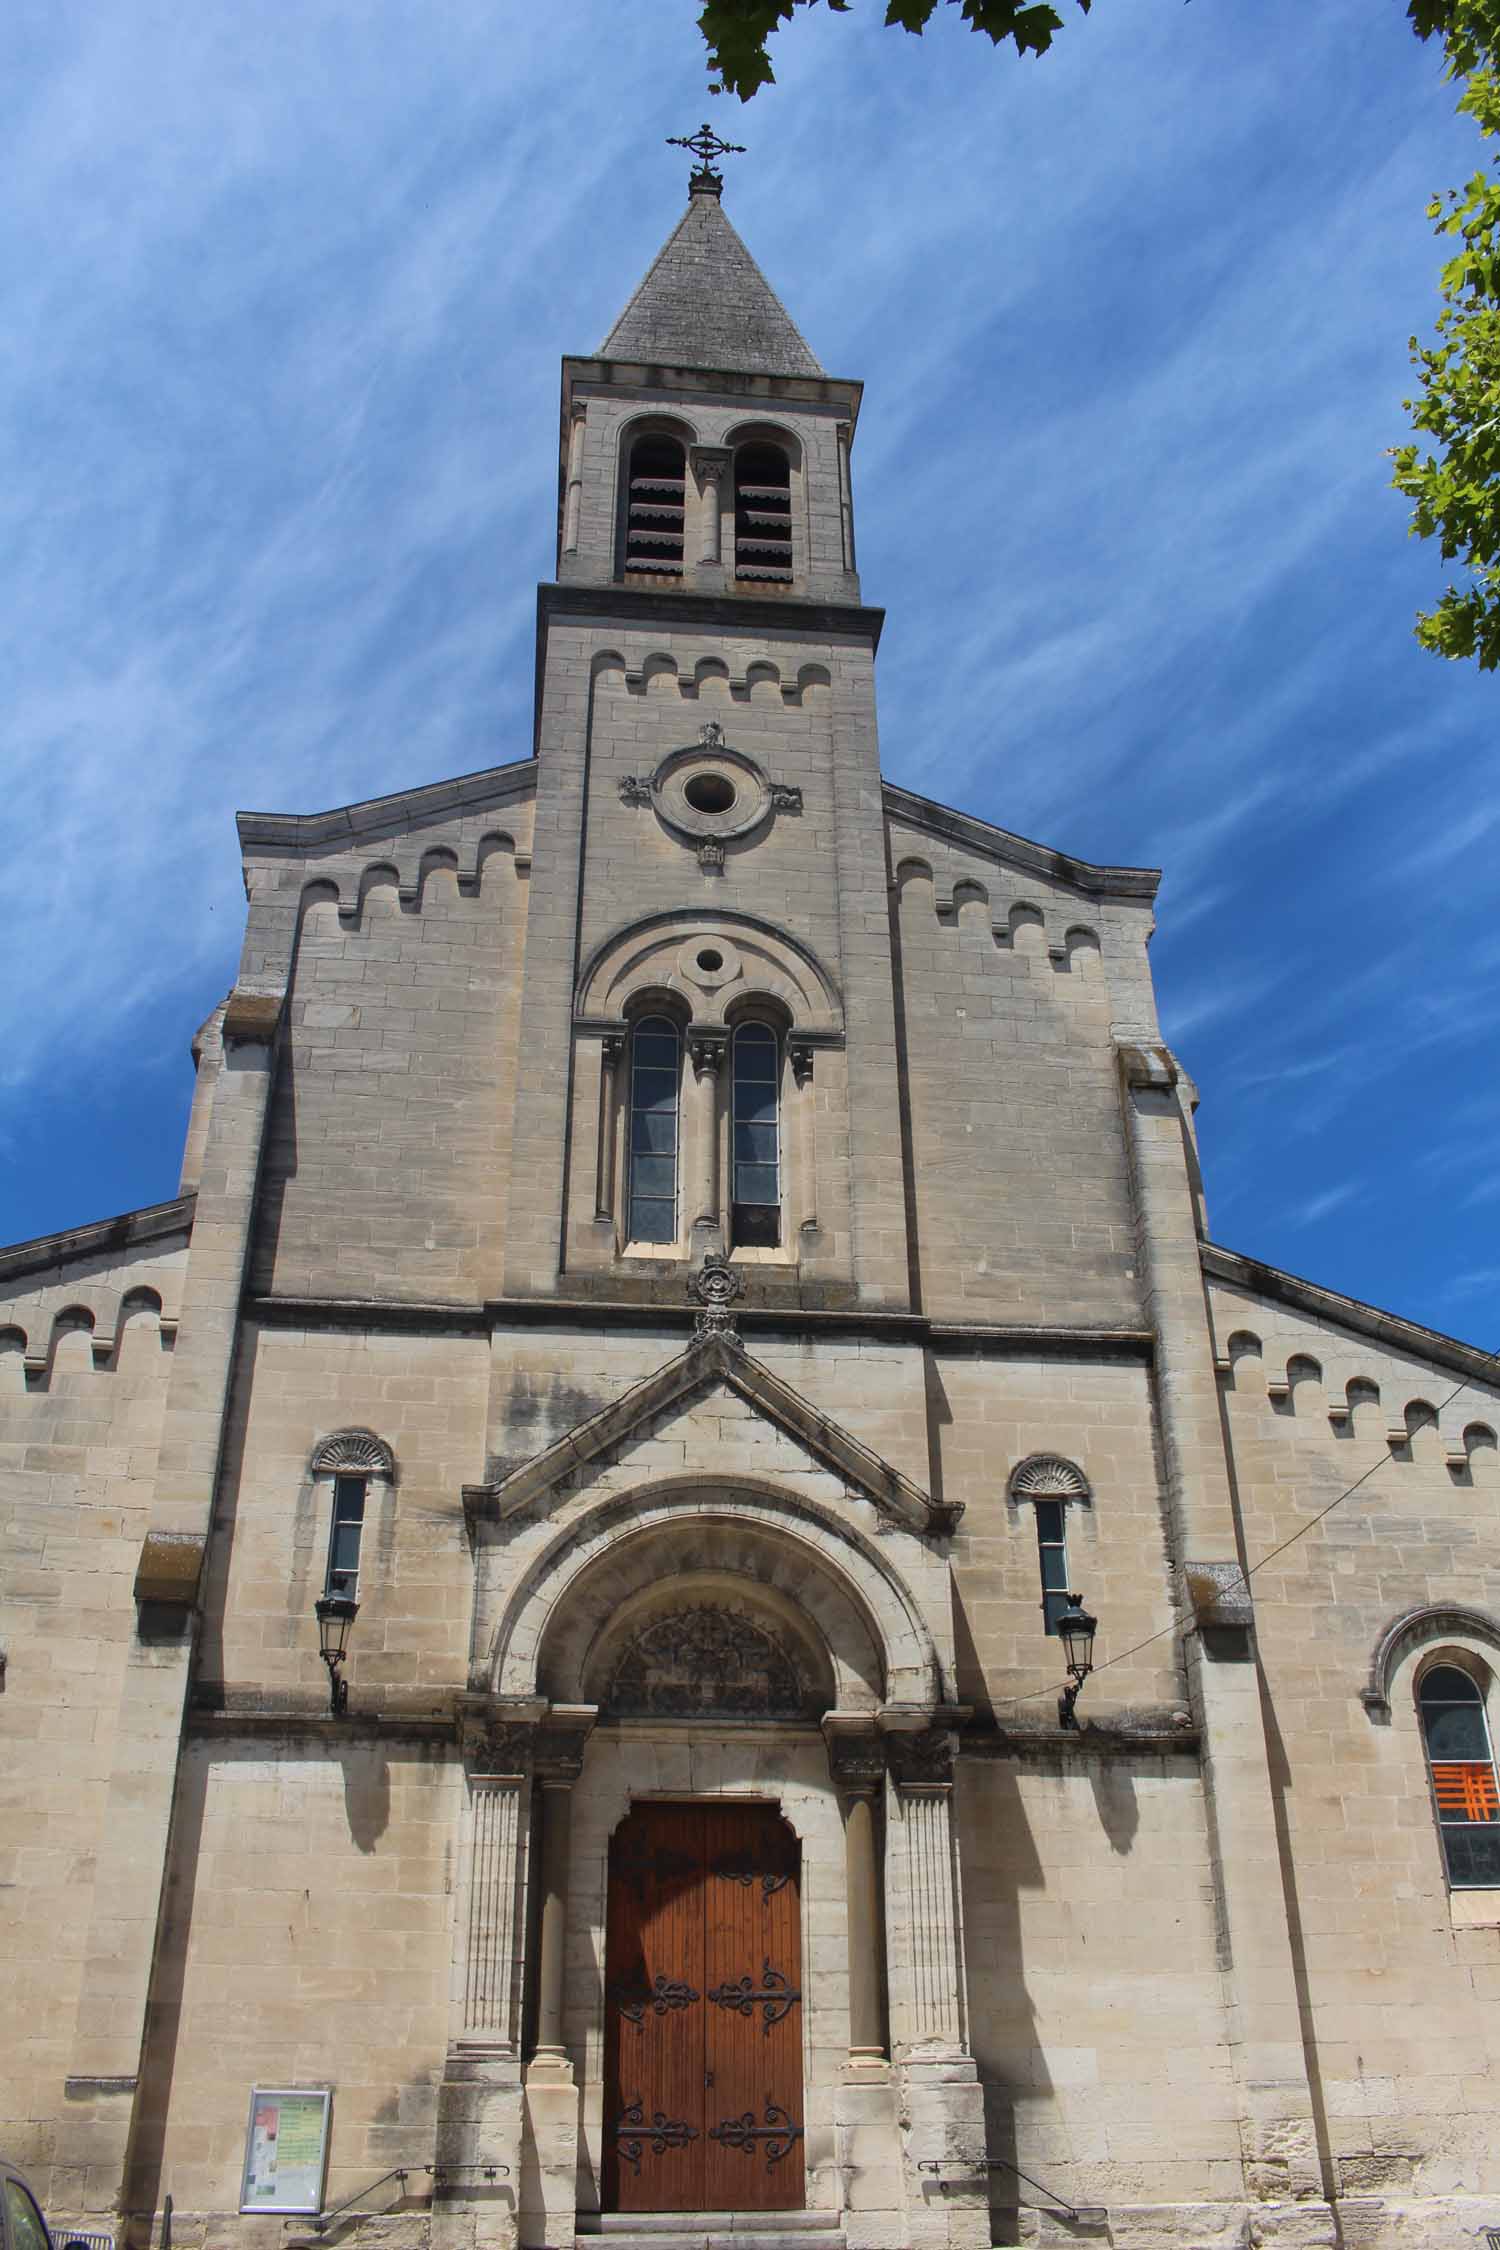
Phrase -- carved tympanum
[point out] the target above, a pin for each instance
(706, 1662)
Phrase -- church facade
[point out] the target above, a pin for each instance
(687, 1257)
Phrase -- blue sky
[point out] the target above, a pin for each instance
(286, 290)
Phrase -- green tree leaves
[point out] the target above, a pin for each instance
(1454, 488)
(738, 31)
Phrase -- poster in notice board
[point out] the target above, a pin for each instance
(286, 2149)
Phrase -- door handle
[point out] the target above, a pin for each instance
(708, 2078)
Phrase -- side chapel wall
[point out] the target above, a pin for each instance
(1400, 1992)
(85, 1353)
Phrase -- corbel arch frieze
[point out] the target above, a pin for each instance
(781, 1548)
(767, 963)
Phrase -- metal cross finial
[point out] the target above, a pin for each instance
(705, 144)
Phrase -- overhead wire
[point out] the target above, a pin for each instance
(1179, 1624)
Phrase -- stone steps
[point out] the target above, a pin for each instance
(715, 2230)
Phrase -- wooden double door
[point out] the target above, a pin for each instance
(703, 2012)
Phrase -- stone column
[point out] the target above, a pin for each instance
(711, 468)
(942, 2100)
(923, 1767)
(489, 1966)
(800, 1055)
(611, 1049)
(549, 2162)
(856, 1759)
(708, 1050)
(479, 2099)
(846, 496)
(574, 502)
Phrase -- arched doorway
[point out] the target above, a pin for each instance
(703, 2098)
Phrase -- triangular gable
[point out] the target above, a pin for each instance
(709, 1360)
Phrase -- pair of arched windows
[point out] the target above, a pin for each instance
(656, 508)
(654, 1138)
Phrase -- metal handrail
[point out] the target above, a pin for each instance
(1001, 2164)
(437, 2173)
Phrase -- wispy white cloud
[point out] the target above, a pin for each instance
(285, 300)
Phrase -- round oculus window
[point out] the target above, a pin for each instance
(710, 792)
(709, 959)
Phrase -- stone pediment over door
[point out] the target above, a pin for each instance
(672, 1400)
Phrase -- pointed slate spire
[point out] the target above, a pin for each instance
(706, 303)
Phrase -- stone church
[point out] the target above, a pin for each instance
(547, 1682)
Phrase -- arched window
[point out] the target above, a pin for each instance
(755, 1198)
(345, 1534)
(1050, 1485)
(1462, 1766)
(655, 1075)
(655, 501)
(762, 513)
(350, 1461)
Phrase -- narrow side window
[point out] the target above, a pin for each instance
(655, 503)
(345, 1535)
(762, 513)
(1052, 1549)
(655, 1075)
(755, 1216)
(1462, 1764)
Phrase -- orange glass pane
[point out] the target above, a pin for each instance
(1467, 1792)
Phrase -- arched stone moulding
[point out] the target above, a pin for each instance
(1414, 1629)
(353, 1453)
(644, 954)
(1047, 1476)
(848, 1597)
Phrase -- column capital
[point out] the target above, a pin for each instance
(708, 1050)
(856, 1754)
(710, 462)
(922, 1759)
(497, 1734)
(561, 1742)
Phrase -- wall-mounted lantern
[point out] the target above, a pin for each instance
(1076, 1630)
(335, 1613)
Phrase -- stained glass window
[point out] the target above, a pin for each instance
(755, 1220)
(655, 1074)
(1462, 1765)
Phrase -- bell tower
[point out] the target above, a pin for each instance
(710, 855)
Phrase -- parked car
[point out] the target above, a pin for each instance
(22, 2226)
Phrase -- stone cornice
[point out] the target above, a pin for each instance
(1398, 1335)
(439, 1317)
(153, 1222)
(632, 377)
(1019, 851)
(406, 809)
(618, 606)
